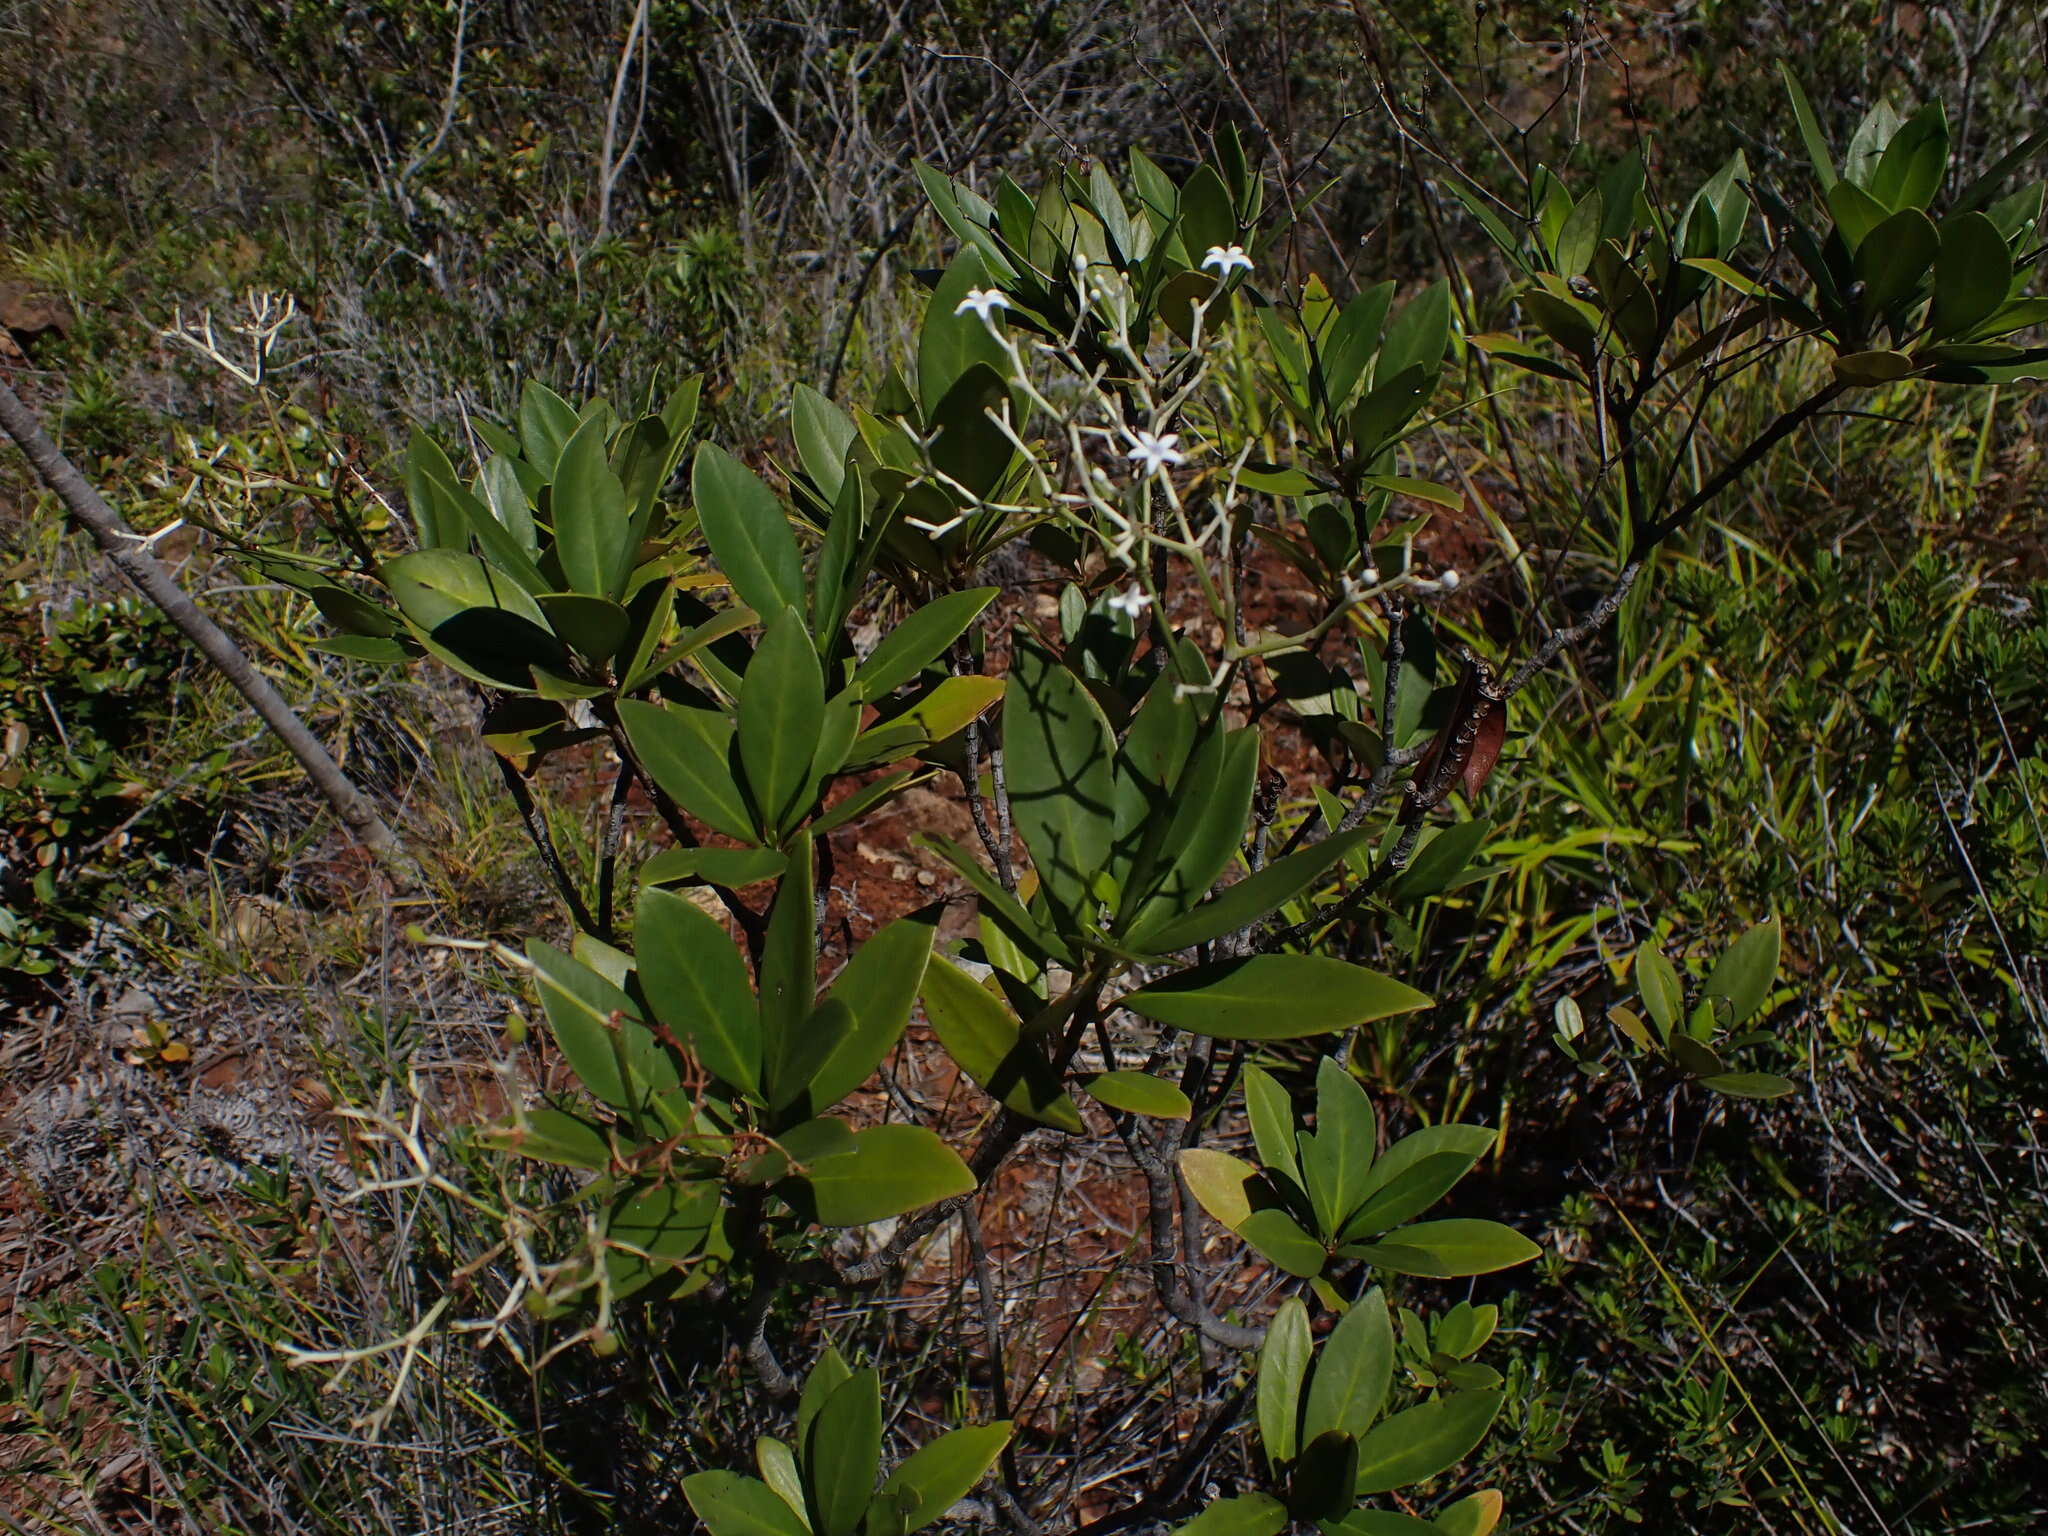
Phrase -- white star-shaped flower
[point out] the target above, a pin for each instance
(1227, 259)
(983, 301)
(1155, 454)
(1132, 602)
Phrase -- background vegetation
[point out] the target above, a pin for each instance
(1817, 1313)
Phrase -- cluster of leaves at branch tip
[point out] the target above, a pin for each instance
(711, 648)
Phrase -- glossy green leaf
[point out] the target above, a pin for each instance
(594, 627)
(1749, 1085)
(985, 1042)
(1658, 982)
(1809, 129)
(875, 988)
(554, 1136)
(776, 1462)
(599, 1031)
(697, 984)
(823, 433)
(942, 713)
(1418, 335)
(1898, 254)
(781, 710)
(842, 1453)
(826, 1377)
(658, 1229)
(1910, 170)
(733, 868)
(1058, 766)
(1320, 1485)
(997, 904)
(1212, 806)
(919, 640)
(1449, 1249)
(1273, 997)
(788, 981)
(1378, 1522)
(434, 586)
(1337, 1161)
(589, 506)
(688, 752)
(891, 1169)
(1207, 215)
(1247, 1514)
(1283, 1366)
(944, 1471)
(748, 532)
(1271, 1113)
(1139, 1093)
(1354, 1370)
(1972, 274)
(950, 343)
(1742, 977)
(546, 422)
(1421, 1442)
(1280, 1238)
(730, 1504)
(1440, 861)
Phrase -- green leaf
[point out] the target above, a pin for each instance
(433, 586)
(777, 1464)
(688, 752)
(1271, 1113)
(1059, 765)
(732, 868)
(1320, 1487)
(1744, 973)
(1213, 802)
(1337, 1160)
(589, 504)
(1273, 997)
(696, 982)
(1475, 1515)
(1388, 406)
(875, 988)
(985, 1042)
(1378, 1522)
(944, 1471)
(1207, 215)
(1749, 1085)
(659, 1228)
(546, 422)
(1449, 1249)
(997, 904)
(1354, 1371)
(554, 1136)
(1421, 1442)
(1281, 1239)
(1891, 263)
(782, 709)
(594, 627)
(730, 1504)
(1442, 859)
(1809, 130)
(1418, 336)
(942, 713)
(1972, 274)
(748, 532)
(1283, 1365)
(1218, 1182)
(1910, 171)
(823, 434)
(842, 1453)
(1248, 1514)
(1873, 368)
(788, 973)
(1138, 1093)
(949, 343)
(599, 1031)
(1659, 985)
(890, 1169)
(1421, 490)
(919, 640)
(826, 1377)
